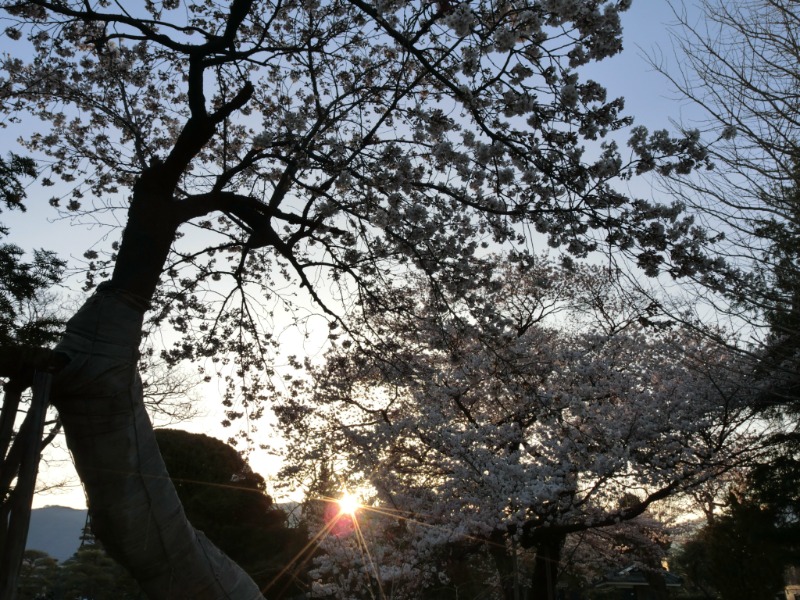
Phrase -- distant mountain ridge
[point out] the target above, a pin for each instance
(56, 530)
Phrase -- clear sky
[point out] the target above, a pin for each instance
(648, 99)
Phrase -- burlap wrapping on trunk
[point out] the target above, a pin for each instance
(134, 508)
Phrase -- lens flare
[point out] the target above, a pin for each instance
(348, 504)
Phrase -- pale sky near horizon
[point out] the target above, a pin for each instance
(648, 98)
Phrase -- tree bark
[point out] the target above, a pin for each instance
(16, 515)
(134, 508)
(133, 504)
(504, 562)
(149, 232)
(545, 570)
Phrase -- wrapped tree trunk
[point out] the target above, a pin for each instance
(133, 504)
(134, 508)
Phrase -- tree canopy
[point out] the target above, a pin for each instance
(23, 320)
(259, 149)
(334, 144)
(553, 405)
(718, 559)
(736, 67)
(739, 72)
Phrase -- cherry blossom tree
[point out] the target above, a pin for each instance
(553, 405)
(332, 146)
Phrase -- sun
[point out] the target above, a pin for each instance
(348, 504)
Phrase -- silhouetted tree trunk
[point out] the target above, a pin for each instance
(504, 562)
(545, 571)
(134, 507)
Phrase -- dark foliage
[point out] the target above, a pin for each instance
(225, 499)
(22, 282)
(744, 554)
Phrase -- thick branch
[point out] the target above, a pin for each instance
(201, 127)
(19, 363)
(141, 25)
(533, 534)
(238, 11)
(252, 212)
(238, 101)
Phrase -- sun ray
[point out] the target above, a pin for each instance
(363, 542)
(305, 552)
(348, 508)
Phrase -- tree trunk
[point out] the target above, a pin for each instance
(133, 504)
(545, 570)
(16, 510)
(134, 508)
(505, 563)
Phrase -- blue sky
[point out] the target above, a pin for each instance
(648, 97)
